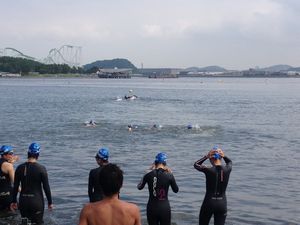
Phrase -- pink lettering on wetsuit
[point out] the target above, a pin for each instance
(161, 194)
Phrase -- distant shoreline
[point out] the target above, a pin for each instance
(93, 76)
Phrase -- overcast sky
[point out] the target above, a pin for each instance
(235, 34)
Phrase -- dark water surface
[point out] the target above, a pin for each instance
(255, 121)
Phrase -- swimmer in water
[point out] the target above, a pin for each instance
(157, 126)
(194, 127)
(91, 123)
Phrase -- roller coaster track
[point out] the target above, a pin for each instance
(66, 54)
(15, 53)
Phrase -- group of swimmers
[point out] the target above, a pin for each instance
(159, 178)
(104, 184)
(159, 126)
(29, 179)
(131, 127)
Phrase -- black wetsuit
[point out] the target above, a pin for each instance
(158, 207)
(32, 176)
(214, 202)
(94, 188)
(5, 188)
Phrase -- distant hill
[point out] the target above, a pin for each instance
(277, 68)
(295, 69)
(207, 69)
(213, 69)
(110, 64)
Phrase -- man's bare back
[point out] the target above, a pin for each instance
(110, 211)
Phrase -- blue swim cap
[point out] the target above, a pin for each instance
(161, 158)
(216, 156)
(216, 147)
(189, 126)
(34, 148)
(5, 149)
(103, 153)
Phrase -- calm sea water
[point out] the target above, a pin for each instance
(255, 121)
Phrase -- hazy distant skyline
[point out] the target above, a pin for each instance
(235, 34)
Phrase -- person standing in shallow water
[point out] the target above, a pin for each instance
(7, 174)
(33, 178)
(94, 189)
(110, 210)
(217, 177)
(159, 179)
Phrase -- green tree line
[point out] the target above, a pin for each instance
(27, 66)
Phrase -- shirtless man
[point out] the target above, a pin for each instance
(111, 210)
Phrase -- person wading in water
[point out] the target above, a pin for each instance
(217, 177)
(159, 179)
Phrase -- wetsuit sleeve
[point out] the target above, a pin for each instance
(228, 162)
(90, 186)
(174, 185)
(198, 164)
(141, 185)
(46, 186)
(16, 184)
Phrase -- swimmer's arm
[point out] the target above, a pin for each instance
(142, 183)
(198, 164)
(16, 186)
(227, 161)
(174, 185)
(90, 186)
(46, 187)
(9, 169)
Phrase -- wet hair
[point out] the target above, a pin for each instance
(156, 163)
(32, 155)
(98, 158)
(111, 179)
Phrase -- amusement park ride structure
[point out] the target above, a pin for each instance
(66, 54)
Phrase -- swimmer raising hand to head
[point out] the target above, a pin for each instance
(217, 177)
